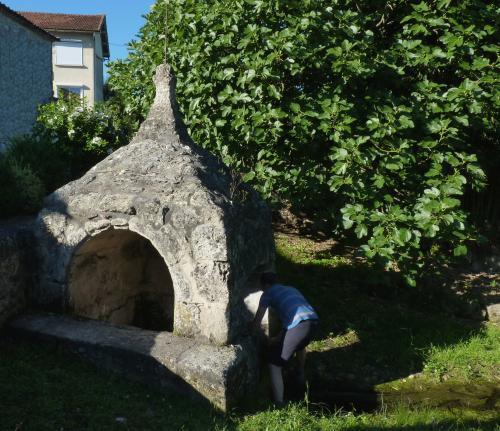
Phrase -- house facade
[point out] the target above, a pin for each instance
(79, 53)
(25, 73)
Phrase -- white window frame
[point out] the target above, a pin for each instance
(68, 86)
(74, 42)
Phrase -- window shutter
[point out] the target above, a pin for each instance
(69, 53)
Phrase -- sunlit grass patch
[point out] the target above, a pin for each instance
(468, 359)
(304, 417)
(332, 341)
(307, 251)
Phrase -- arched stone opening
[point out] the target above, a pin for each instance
(118, 276)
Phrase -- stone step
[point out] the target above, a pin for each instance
(188, 366)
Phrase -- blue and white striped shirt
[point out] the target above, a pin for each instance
(290, 304)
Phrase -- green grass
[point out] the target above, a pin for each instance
(44, 388)
(475, 358)
(366, 343)
(298, 417)
(378, 340)
(47, 389)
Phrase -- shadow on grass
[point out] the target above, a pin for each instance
(365, 340)
(46, 388)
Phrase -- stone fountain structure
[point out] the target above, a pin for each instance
(156, 247)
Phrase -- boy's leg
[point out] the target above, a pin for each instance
(277, 383)
(301, 337)
(301, 357)
(292, 340)
(276, 368)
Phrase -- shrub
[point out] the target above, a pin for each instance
(83, 135)
(44, 157)
(21, 190)
(372, 112)
(67, 139)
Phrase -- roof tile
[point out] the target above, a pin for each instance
(60, 21)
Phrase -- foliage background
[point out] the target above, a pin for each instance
(67, 140)
(379, 115)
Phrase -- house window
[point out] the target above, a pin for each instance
(69, 53)
(66, 91)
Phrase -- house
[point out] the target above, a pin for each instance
(25, 73)
(79, 54)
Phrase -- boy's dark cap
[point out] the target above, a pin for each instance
(268, 278)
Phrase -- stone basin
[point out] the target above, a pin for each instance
(161, 359)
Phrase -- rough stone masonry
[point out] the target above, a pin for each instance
(159, 228)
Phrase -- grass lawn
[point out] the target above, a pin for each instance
(372, 340)
(366, 344)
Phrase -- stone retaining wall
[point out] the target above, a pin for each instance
(17, 267)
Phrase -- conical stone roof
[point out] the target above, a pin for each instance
(213, 234)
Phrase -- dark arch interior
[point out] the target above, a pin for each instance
(118, 276)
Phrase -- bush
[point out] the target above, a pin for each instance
(82, 135)
(67, 140)
(21, 190)
(372, 112)
(44, 157)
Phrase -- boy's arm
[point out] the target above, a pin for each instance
(258, 317)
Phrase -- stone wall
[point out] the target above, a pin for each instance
(17, 266)
(25, 77)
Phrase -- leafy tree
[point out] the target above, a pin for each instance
(372, 111)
